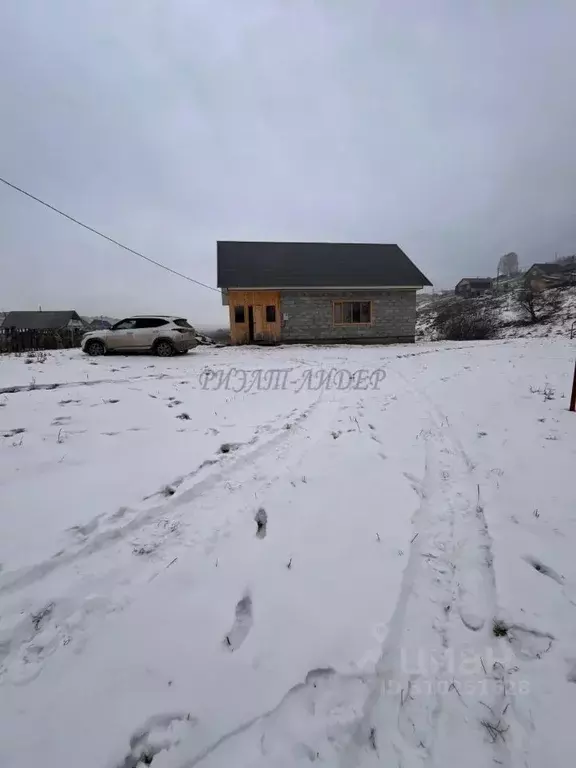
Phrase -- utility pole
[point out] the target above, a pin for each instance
(573, 397)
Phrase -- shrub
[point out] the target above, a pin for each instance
(464, 319)
(536, 306)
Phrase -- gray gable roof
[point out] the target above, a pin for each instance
(475, 281)
(314, 265)
(547, 268)
(39, 321)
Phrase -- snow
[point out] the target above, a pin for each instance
(509, 321)
(293, 574)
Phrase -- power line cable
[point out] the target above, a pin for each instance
(101, 234)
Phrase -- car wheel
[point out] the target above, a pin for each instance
(94, 348)
(164, 349)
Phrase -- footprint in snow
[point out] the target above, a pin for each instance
(543, 569)
(44, 632)
(261, 520)
(159, 733)
(529, 643)
(469, 599)
(229, 447)
(242, 624)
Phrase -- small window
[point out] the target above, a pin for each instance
(182, 323)
(239, 314)
(270, 313)
(352, 312)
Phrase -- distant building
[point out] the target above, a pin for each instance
(99, 324)
(469, 287)
(508, 265)
(43, 321)
(545, 275)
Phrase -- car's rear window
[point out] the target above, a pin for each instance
(182, 322)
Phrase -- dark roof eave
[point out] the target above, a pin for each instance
(413, 287)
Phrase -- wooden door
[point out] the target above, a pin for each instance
(266, 316)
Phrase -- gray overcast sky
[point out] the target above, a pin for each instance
(446, 126)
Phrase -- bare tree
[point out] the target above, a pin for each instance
(537, 306)
(528, 303)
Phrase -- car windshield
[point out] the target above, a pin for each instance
(183, 323)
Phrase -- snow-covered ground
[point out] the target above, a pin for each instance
(232, 559)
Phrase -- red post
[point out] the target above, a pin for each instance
(573, 397)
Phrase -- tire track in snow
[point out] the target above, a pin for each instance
(33, 387)
(416, 712)
(403, 705)
(475, 698)
(473, 650)
(471, 632)
(227, 465)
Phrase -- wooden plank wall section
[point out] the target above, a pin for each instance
(258, 300)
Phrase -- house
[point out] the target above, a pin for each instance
(43, 321)
(547, 275)
(99, 324)
(470, 287)
(318, 292)
(543, 270)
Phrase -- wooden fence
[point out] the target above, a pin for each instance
(23, 340)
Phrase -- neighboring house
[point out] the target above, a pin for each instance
(318, 292)
(546, 275)
(469, 287)
(543, 270)
(99, 324)
(43, 321)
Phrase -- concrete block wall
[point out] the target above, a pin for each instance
(310, 316)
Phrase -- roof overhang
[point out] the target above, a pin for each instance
(324, 288)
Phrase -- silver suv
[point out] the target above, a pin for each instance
(165, 335)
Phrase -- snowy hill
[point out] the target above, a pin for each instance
(508, 319)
